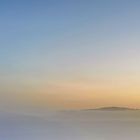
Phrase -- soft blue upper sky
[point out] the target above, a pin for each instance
(30, 28)
(48, 40)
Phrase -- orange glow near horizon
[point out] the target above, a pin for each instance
(75, 92)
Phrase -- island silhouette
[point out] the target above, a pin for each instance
(113, 108)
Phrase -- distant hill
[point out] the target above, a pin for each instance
(114, 109)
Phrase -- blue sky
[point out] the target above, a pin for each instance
(52, 42)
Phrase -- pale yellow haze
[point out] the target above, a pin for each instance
(74, 92)
(112, 91)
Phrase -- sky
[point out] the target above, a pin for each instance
(69, 54)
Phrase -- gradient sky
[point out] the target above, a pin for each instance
(70, 54)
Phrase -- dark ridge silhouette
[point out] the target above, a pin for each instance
(114, 109)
